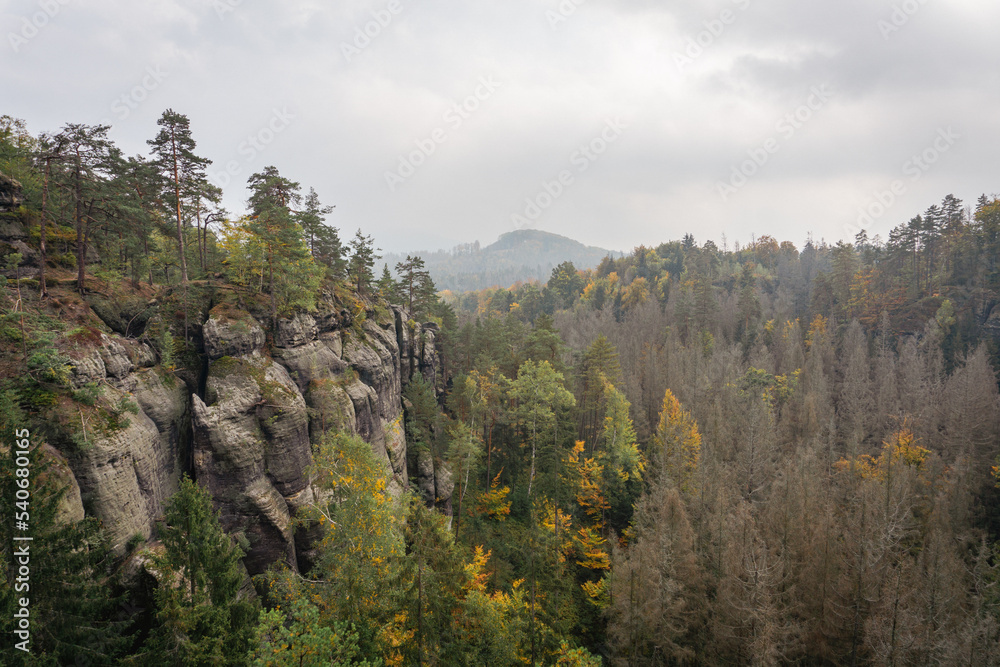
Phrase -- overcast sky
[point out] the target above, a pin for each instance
(435, 122)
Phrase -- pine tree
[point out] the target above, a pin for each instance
(88, 156)
(183, 171)
(323, 241)
(416, 285)
(363, 257)
(291, 274)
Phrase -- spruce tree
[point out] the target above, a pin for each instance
(203, 618)
(69, 586)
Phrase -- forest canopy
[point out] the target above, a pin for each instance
(689, 454)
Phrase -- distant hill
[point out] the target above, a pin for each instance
(522, 255)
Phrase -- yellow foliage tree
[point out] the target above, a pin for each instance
(494, 503)
(678, 444)
(899, 450)
(593, 550)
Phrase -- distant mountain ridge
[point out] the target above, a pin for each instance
(522, 255)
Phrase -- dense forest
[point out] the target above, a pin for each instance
(686, 455)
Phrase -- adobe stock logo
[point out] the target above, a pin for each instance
(252, 146)
(30, 26)
(127, 102)
(714, 28)
(901, 15)
(455, 117)
(563, 12)
(786, 128)
(365, 34)
(915, 167)
(582, 159)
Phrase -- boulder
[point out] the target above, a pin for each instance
(231, 333)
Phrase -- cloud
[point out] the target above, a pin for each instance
(366, 80)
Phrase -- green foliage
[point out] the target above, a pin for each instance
(567, 283)
(297, 638)
(323, 241)
(268, 247)
(362, 260)
(539, 393)
(203, 619)
(416, 287)
(356, 576)
(182, 173)
(623, 463)
(69, 586)
(421, 413)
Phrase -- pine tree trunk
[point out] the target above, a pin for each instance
(42, 292)
(180, 226)
(81, 237)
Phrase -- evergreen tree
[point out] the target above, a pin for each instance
(387, 287)
(323, 241)
(204, 619)
(600, 366)
(416, 285)
(539, 393)
(363, 257)
(89, 157)
(291, 273)
(297, 638)
(567, 283)
(183, 171)
(71, 611)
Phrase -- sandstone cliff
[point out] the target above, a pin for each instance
(245, 428)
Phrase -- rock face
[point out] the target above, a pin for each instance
(10, 193)
(247, 433)
(228, 334)
(251, 449)
(125, 474)
(254, 427)
(12, 233)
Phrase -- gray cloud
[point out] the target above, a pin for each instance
(357, 104)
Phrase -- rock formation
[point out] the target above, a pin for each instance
(246, 429)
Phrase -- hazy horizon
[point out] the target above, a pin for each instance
(439, 123)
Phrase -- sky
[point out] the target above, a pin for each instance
(430, 123)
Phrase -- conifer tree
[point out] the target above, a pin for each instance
(71, 612)
(204, 619)
(291, 275)
(323, 240)
(600, 365)
(89, 156)
(539, 393)
(677, 446)
(183, 171)
(387, 287)
(416, 285)
(363, 257)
